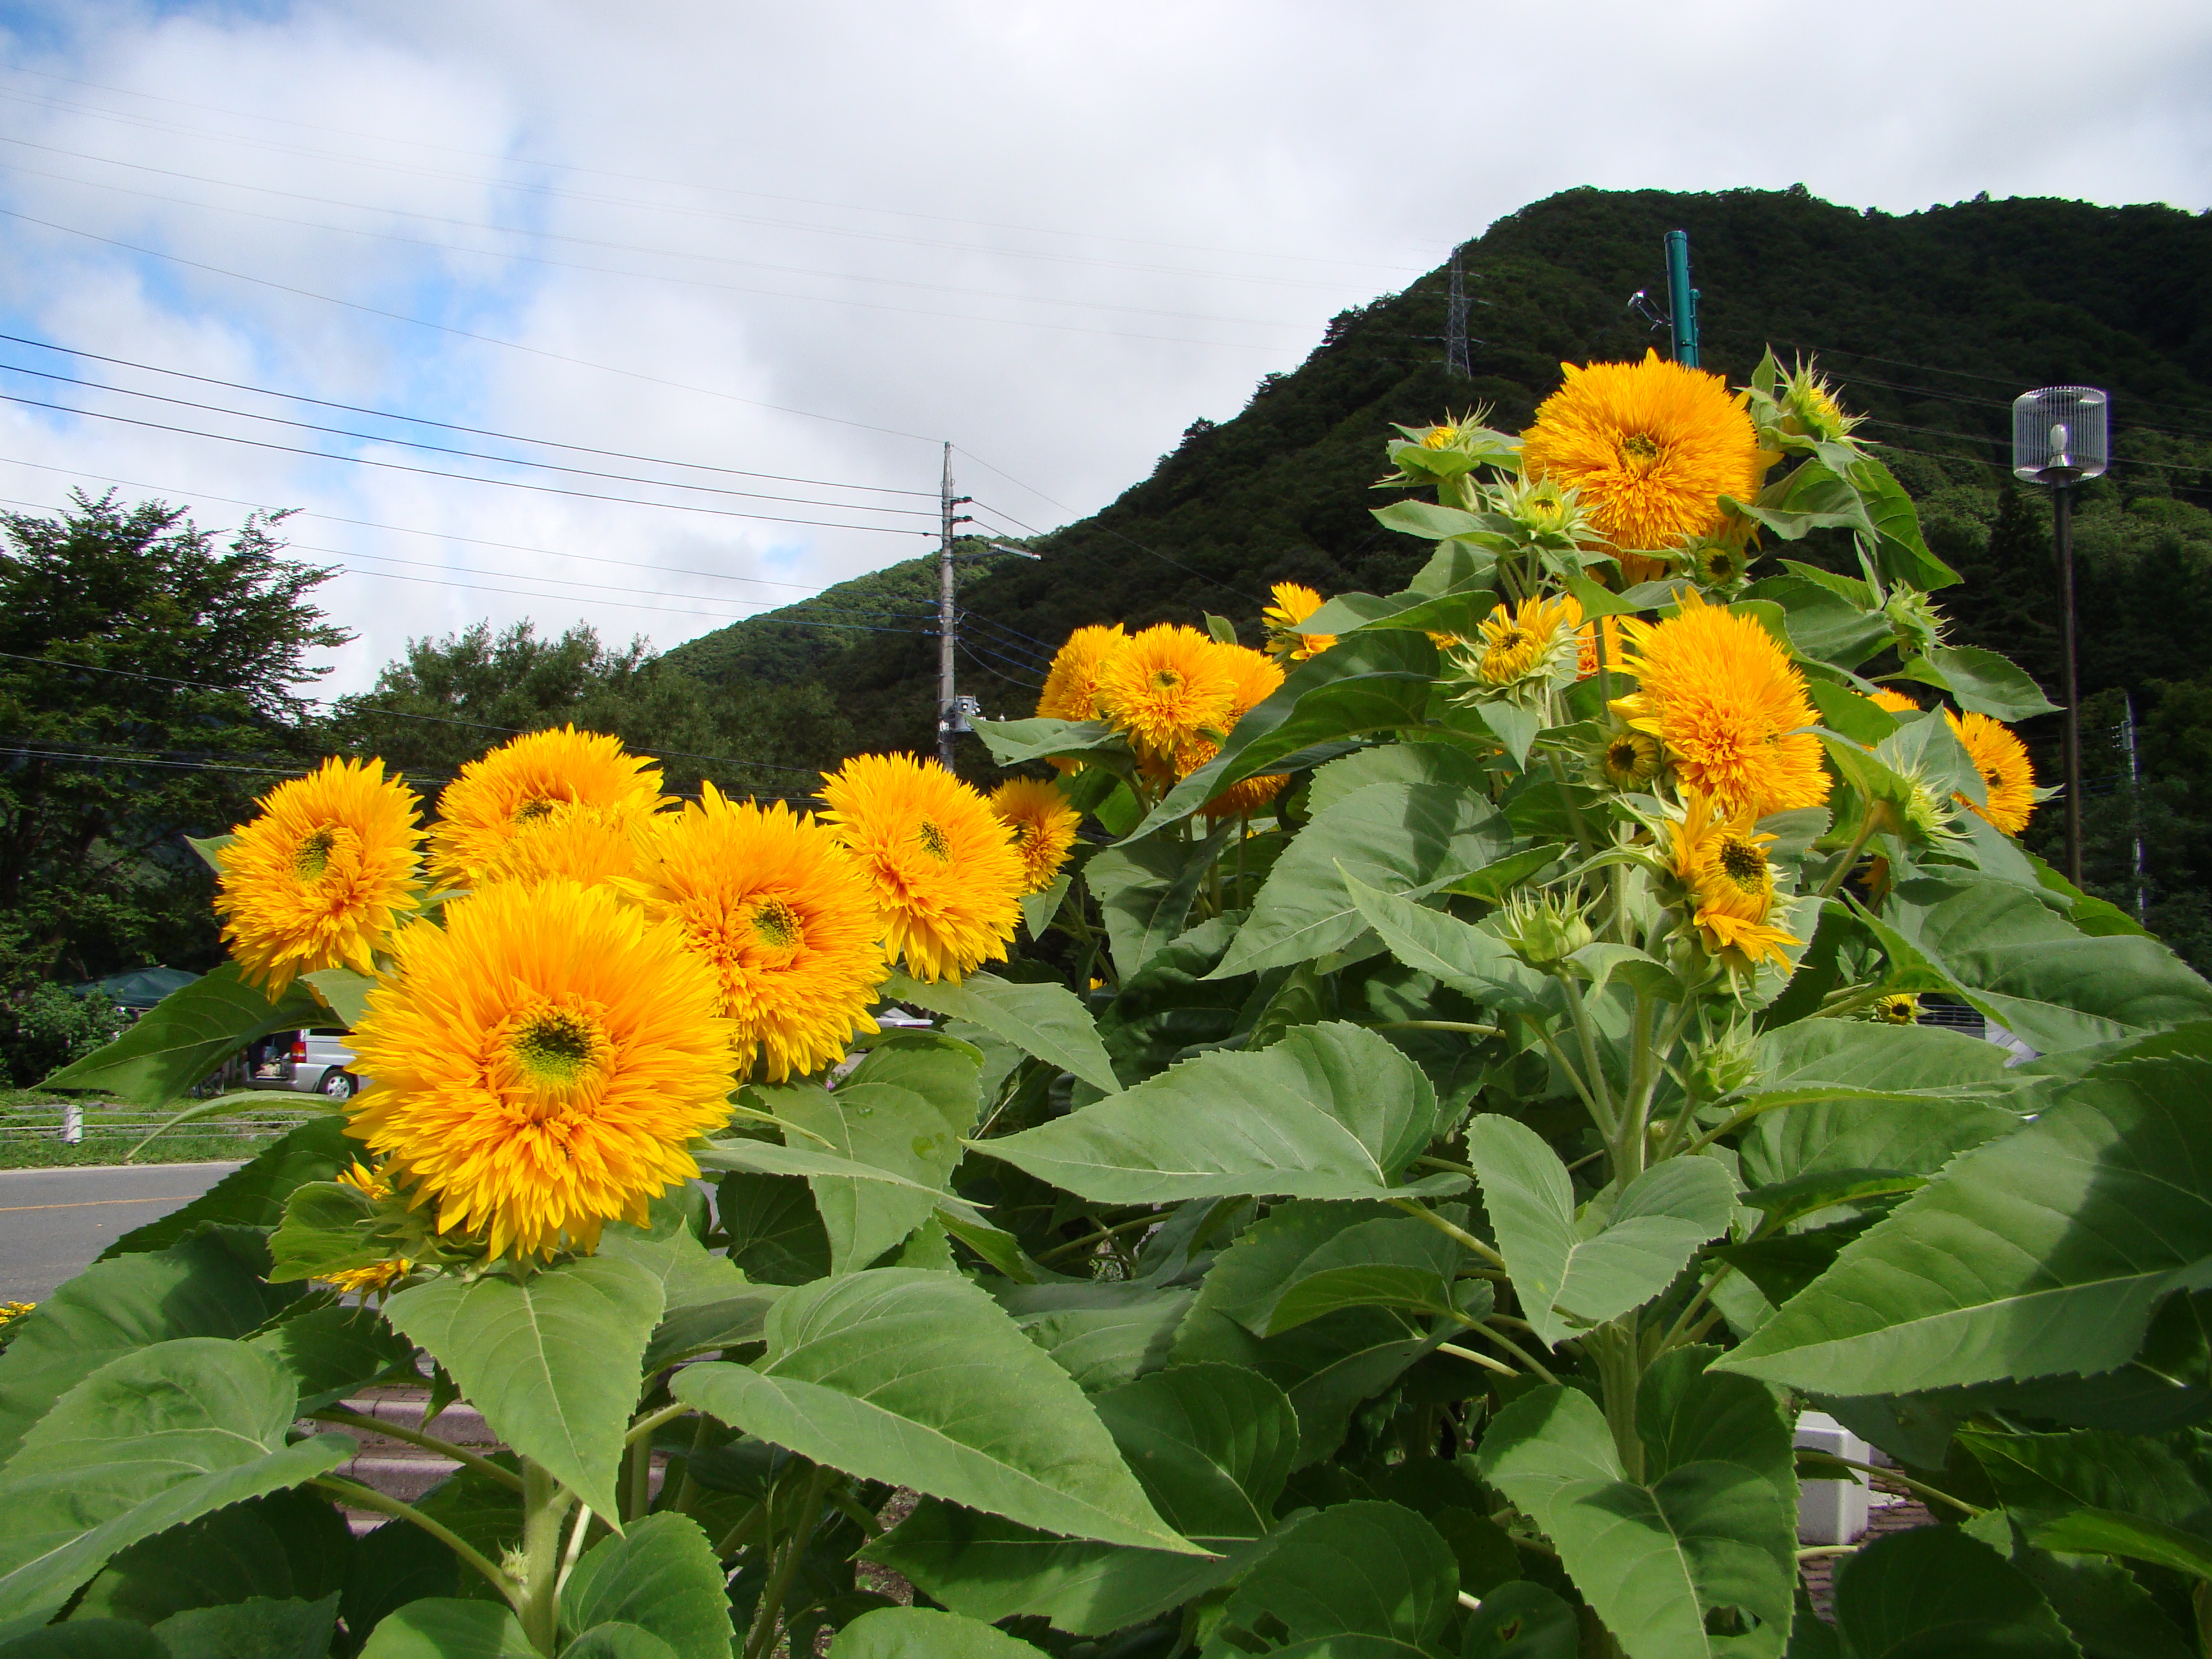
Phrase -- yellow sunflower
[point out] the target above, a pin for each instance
(526, 779)
(364, 1281)
(1044, 826)
(1170, 689)
(1294, 603)
(1258, 678)
(1728, 705)
(1810, 408)
(1648, 448)
(1895, 702)
(1070, 685)
(594, 845)
(783, 915)
(946, 876)
(2007, 776)
(1630, 759)
(540, 1065)
(1721, 859)
(1523, 648)
(1898, 1008)
(323, 876)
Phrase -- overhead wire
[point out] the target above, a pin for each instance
(630, 178)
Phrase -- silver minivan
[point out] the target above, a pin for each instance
(306, 1062)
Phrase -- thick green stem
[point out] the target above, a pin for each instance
(1447, 1228)
(1628, 1160)
(545, 1504)
(1481, 1360)
(1918, 1488)
(771, 1612)
(1460, 1026)
(1586, 1033)
(1850, 854)
(1599, 1115)
(1518, 1351)
(1614, 1347)
(1101, 1235)
(461, 1455)
(358, 1497)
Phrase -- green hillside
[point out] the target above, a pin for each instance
(1931, 322)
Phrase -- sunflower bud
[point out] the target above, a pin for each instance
(1919, 625)
(1809, 409)
(1720, 1066)
(1543, 929)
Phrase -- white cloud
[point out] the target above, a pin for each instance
(1054, 235)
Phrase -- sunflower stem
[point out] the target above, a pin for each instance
(1849, 857)
(355, 1496)
(545, 1504)
(430, 1443)
(1586, 1034)
(770, 1613)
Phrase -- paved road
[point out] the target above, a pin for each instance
(54, 1221)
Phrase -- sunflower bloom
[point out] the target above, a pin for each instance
(1721, 860)
(2007, 777)
(363, 1281)
(782, 916)
(1630, 759)
(324, 875)
(594, 845)
(1043, 824)
(1523, 648)
(1258, 678)
(1648, 448)
(1894, 702)
(525, 779)
(541, 1064)
(1729, 707)
(946, 876)
(1294, 603)
(1070, 685)
(1898, 1008)
(1170, 689)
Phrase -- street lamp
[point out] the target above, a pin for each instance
(2059, 438)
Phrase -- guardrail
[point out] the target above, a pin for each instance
(69, 1121)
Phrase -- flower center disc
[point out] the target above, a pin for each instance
(558, 1049)
(1641, 448)
(934, 841)
(1743, 864)
(778, 925)
(313, 857)
(531, 811)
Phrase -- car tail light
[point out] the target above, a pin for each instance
(299, 1048)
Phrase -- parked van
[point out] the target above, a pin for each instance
(306, 1062)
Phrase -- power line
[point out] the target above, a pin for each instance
(448, 449)
(1968, 374)
(462, 477)
(632, 247)
(447, 426)
(555, 191)
(462, 333)
(1098, 524)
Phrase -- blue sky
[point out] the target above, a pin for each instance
(681, 234)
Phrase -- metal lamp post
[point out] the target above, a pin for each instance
(2060, 438)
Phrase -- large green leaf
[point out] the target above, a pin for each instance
(333, 1349)
(1473, 962)
(1213, 1446)
(1686, 1413)
(661, 1576)
(1145, 890)
(1328, 1365)
(1331, 1111)
(289, 1544)
(441, 1628)
(2113, 1531)
(707, 1302)
(1393, 762)
(2005, 951)
(1101, 1347)
(809, 1161)
(253, 1195)
(198, 1288)
(1566, 1280)
(1400, 1263)
(261, 1628)
(1935, 1592)
(1656, 1560)
(1521, 1620)
(919, 1379)
(775, 1233)
(1360, 1579)
(1406, 839)
(91, 1638)
(920, 1633)
(886, 1127)
(150, 1441)
(1016, 743)
(186, 1036)
(1982, 682)
(1368, 681)
(1046, 1020)
(2041, 1253)
(2165, 1479)
(552, 1364)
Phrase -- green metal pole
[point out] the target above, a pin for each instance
(1681, 298)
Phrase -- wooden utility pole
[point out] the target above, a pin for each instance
(947, 615)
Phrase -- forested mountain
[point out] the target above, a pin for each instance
(1930, 322)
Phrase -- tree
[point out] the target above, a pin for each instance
(145, 694)
(448, 700)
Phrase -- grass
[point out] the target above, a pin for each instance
(31, 1120)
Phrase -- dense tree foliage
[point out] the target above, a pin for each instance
(148, 691)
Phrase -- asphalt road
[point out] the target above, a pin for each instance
(54, 1221)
